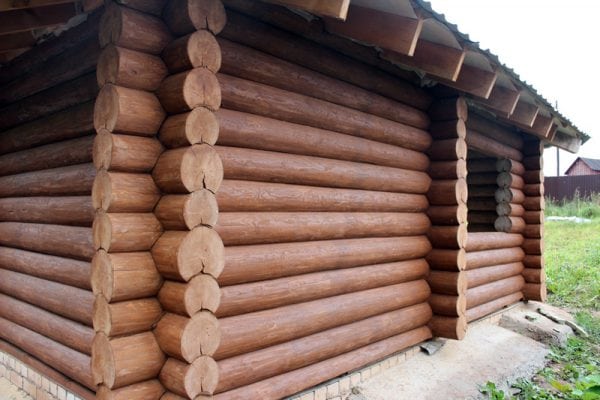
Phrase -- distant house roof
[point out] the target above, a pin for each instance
(593, 163)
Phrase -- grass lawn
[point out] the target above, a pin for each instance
(572, 255)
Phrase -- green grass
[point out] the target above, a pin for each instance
(578, 207)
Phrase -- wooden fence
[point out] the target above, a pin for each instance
(565, 187)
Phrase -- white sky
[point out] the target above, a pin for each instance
(553, 45)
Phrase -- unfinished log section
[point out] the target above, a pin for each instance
(482, 310)
(486, 258)
(494, 290)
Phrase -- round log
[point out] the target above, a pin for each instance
(123, 110)
(509, 224)
(482, 178)
(533, 217)
(148, 390)
(190, 380)
(482, 217)
(244, 264)
(447, 259)
(448, 169)
(482, 191)
(197, 126)
(200, 293)
(188, 90)
(533, 162)
(125, 360)
(449, 237)
(453, 128)
(533, 147)
(124, 276)
(234, 195)
(66, 210)
(487, 258)
(533, 231)
(125, 27)
(250, 297)
(448, 149)
(481, 276)
(533, 261)
(449, 109)
(482, 204)
(493, 306)
(534, 275)
(447, 282)
(534, 203)
(114, 152)
(185, 16)
(121, 192)
(248, 332)
(448, 215)
(510, 209)
(492, 129)
(125, 232)
(196, 50)
(448, 192)
(188, 338)
(479, 165)
(509, 180)
(533, 246)
(508, 165)
(533, 189)
(188, 169)
(478, 141)
(448, 305)
(125, 317)
(130, 68)
(535, 176)
(479, 241)
(448, 327)
(187, 211)
(535, 291)
(149, 6)
(182, 255)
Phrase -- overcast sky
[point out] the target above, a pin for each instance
(552, 45)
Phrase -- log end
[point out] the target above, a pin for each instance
(107, 70)
(201, 88)
(103, 147)
(202, 377)
(111, 26)
(201, 167)
(448, 327)
(102, 276)
(106, 109)
(201, 208)
(202, 293)
(102, 231)
(103, 370)
(207, 14)
(202, 126)
(101, 191)
(102, 316)
(202, 250)
(204, 51)
(201, 336)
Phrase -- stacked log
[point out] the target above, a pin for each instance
(482, 188)
(126, 356)
(448, 233)
(535, 277)
(46, 212)
(189, 253)
(325, 167)
(509, 196)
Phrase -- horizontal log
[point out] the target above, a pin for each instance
(448, 169)
(481, 276)
(478, 141)
(130, 68)
(235, 195)
(509, 180)
(448, 305)
(64, 125)
(50, 101)
(247, 164)
(65, 181)
(188, 338)
(533, 261)
(61, 154)
(533, 231)
(67, 301)
(131, 29)
(450, 237)
(493, 290)
(447, 282)
(482, 178)
(58, 240)
(535, 291)
(488, 308)
(196, 50)
(121, 192)
(187, 90)
(509, 195)
(509, 224)
(242, 228)
(453, 128)
(70, 362)
(244, 62)
(200, 293)
(510, 209)
(533, 176)
(295, 381)
(482, 191)
(534, 275)
(448, 109)
(247, 332)
(188, 169)
(447, 259)
(448, 327)
(448, 149)
(534, 162)
(534, 203)
(114, 152)
(317, 57)
(154, 7)
(448, 192)
(124, 276)
(512, 166)
(250, 297)
(486, 258)
(533, 217)
(187, 211)
(57, 269)
(447, 215)
(533, 246)
(533, 147)
(125, 317)
(147, 390)
(479, 165)
(482, 217)
(320, 346)
(126, 360)
(479, 228)
(245, 264)
(533, 189)
(192, 381)
(482, 204)
(122, 110)
(66, 210)
(182, 255)
(62, 330)
(240, 129)
(183, 16)
(240, 95)
(195, 127)
(125, 232)
(492, 129)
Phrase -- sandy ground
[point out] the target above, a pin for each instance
(8, 391)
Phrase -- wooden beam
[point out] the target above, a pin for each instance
(524, 113)
(6, 56)
(330, 8)
(502, 99)
(385, 30)
(8, 5)
(433, 58)
(473, 80)
(542, 125)
(34, 18)
(14, 41)
(566, 142)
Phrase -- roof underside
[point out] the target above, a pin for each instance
(407, 34)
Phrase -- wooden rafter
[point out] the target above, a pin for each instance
(34, 18)
(473, 80)
(330, 8)
(391, 32)
(502, 99)
(524, 113)
(7, 5)
(542, 125)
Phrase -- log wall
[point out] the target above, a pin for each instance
(321, 212)
(46, 211)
